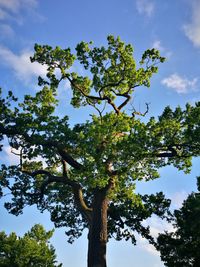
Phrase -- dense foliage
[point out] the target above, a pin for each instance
(33, 249)
(94, 165)
(181, 248)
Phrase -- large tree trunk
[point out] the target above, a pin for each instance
(98, 232)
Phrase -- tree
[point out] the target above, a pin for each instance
(92, 168)
(32, 249)
(181, 247)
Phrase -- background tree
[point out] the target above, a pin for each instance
(181, 248)
(33, 249)
(92, 168)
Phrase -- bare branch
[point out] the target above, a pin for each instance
(94, 106)
(139, 113)
(128, 98)
(69, 159)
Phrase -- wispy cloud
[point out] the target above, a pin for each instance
(14, 6)
(10, 5)
(157, 44)
(19, 10)
(178, 198)
(156, 226)
(144, 245)
(145, 7)
(192, 29)
(3, 14)
(21, 65)
(6, 31)
(180, 84)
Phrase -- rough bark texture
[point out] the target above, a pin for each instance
(98, 232)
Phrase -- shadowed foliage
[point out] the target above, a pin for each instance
(181, 248)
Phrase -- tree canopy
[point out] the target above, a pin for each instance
(33, 249)
(181, 247)
(94, 166)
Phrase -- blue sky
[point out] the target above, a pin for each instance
(171, 26)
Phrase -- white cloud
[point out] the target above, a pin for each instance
(3, 14)
(156, 226)
(178, 198)
(11, 5)
(144, 244)
(145, 7)
(6, 31)
(63, 89)
(192, 29)
(180, 84)
(17, 10)
(160, 226)
(8, 157)
(158, 45)
(11, 156)
(21, 65)
(15, 5)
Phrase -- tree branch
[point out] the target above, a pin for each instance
(165, 155)
(81, 204)
(82, 92)
(173, 150)
(128, 98)
(93, 97)
(111, 85)
(12, 130)
(69, 159)
(139, 113)
(76, 188)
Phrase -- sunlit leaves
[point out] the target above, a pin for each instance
(110, 71)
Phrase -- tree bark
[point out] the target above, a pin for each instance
(98, 231)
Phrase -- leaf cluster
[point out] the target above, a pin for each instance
(181, 247)
(32, 249)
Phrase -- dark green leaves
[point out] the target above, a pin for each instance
(32, 249)
(181, 247)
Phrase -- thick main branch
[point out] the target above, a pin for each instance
(34, 140)
(76, 189)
